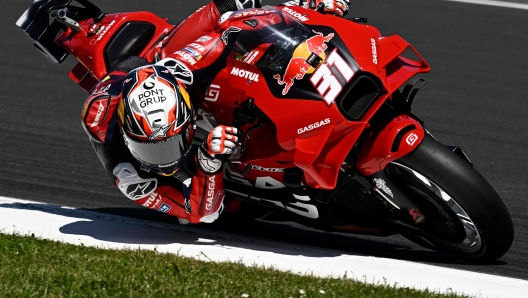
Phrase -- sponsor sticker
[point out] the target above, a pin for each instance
(212, 93)
(153, 201)
(416, 215)
(381, 185)
(198, 47)
(193, 52)
(161, 132)
(105, 31)
(245, 74)
(99, 113)
(95, 29)
(313, 126)
(273, 170)
(411, 139)
(325, 80)
(295, 15)
(204, 39)
(187, 205)
(253, 12)
(152, 96)
(210, 193)
(178, 69)
(249, 57)
(186, 56)
(103, 89)
(137, 191)
(164, 208)
(298, 66)
(225, 35)
(374, 51)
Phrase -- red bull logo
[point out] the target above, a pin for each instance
(317, 44)
(298, 67)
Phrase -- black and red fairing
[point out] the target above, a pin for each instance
(315, 125)
(361, 47)
(99, 45)
(289, 77)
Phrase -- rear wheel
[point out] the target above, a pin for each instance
(463, 213)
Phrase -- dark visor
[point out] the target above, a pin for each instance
(159, 155)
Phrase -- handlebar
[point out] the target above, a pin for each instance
(62, 17)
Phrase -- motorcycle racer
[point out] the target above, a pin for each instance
(142, 125)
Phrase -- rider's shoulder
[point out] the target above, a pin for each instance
(110, 85)
(98, 110)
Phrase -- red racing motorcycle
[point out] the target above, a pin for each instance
(324, 105)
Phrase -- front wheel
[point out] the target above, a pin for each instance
(463, 215)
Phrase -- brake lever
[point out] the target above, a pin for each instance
(62, 17)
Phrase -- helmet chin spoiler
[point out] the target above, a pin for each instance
(162, 157)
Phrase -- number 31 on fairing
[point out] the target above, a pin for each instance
(325, 81)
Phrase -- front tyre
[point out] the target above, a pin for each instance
(463, 213)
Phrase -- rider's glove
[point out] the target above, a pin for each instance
(220, 143)
(335, 7)
(244, 4)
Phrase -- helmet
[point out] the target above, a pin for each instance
(156, 119)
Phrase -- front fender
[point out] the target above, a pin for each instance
(389, 142)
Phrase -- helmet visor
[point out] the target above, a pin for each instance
(165, 155)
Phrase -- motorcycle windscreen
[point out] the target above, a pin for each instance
(271, 42)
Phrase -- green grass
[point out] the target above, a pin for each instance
(31, 267)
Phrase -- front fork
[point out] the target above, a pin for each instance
(405, 213)
(378, 161)
(385, 144)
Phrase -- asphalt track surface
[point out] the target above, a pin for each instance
(476, 98)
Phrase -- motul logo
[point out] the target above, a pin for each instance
(153, 200)
(186, 57)
(245, 74)
(210, 193)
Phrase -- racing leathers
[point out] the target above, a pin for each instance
(193, 193)
(193, 51)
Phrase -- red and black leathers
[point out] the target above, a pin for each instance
(188, 195)
(191, 194)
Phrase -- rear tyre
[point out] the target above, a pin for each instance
(463, 213)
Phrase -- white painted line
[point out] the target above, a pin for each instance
(115, 232)
(495, 3)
